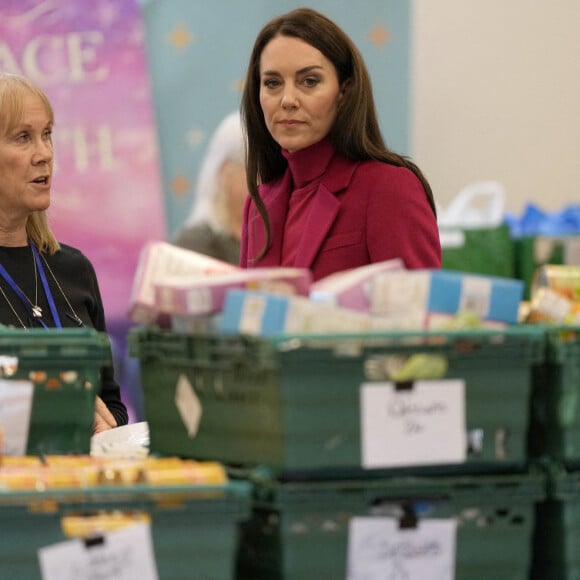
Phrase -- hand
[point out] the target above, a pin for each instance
(104, 419)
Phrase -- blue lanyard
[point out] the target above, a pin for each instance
(45, 285)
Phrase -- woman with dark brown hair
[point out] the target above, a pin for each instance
(326, 193)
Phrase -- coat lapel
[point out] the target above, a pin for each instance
(325, 207)
(322, 214)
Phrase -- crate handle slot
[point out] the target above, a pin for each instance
(409, 519)
(403, 386)
(93, 541)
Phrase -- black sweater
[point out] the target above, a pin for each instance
(78, 280)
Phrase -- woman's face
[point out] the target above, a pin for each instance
(299, 92)
(26, 159)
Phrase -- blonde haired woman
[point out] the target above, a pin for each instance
(43, 284)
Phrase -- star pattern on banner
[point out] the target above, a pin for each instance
(195, 138)
(379, 35)
(180, 37)
(180, 185)
(238, 85)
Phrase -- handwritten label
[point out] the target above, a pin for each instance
(15, 405)
(421, 425)
(378, 549)
(124, 554)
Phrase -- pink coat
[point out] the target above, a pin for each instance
(363, 212)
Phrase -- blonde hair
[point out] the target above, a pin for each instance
(13, 89)
(227, 144)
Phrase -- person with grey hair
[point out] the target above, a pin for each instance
(214, 224)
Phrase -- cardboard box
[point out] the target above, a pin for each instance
(206, 295)
(419, 294)
(265, 314)
(159, 261)
(351, 288)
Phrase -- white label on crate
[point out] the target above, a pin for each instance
(188, 405)
(423, 424)
(379, 549)
(475, 295)
(123, 554)
(15, 405)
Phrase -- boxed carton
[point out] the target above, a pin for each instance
(206, 295)
(351, 288)
(159, 261)
(436, 295)
(264, 314)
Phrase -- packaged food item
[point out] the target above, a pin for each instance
(564, 280)
(555, 295)
(85, 526)
(84, 472)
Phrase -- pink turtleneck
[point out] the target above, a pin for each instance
(306, 167)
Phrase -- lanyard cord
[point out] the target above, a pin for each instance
(45, 285)
(29, 307)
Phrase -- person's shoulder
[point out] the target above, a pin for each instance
(199, 229)
(72, 255)
(67, 250)
(381, 172)
(195, 237)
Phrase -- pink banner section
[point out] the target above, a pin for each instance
(89, 56)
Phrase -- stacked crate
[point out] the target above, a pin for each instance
(48, 383)
(192, 529)
(62, 368)
(555, 441)
(299, 416)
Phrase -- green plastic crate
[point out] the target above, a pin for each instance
(555, 417)
(300, 530)
(64, 366)
(486, 251)
(557, 536)
(194, 528)
(292, 403)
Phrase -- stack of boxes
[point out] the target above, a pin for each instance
(387, 450)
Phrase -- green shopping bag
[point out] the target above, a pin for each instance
(488, 251)
(472, 233)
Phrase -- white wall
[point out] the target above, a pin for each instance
(496, 95)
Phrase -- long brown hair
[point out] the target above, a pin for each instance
(13, 89)
(355, 134)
